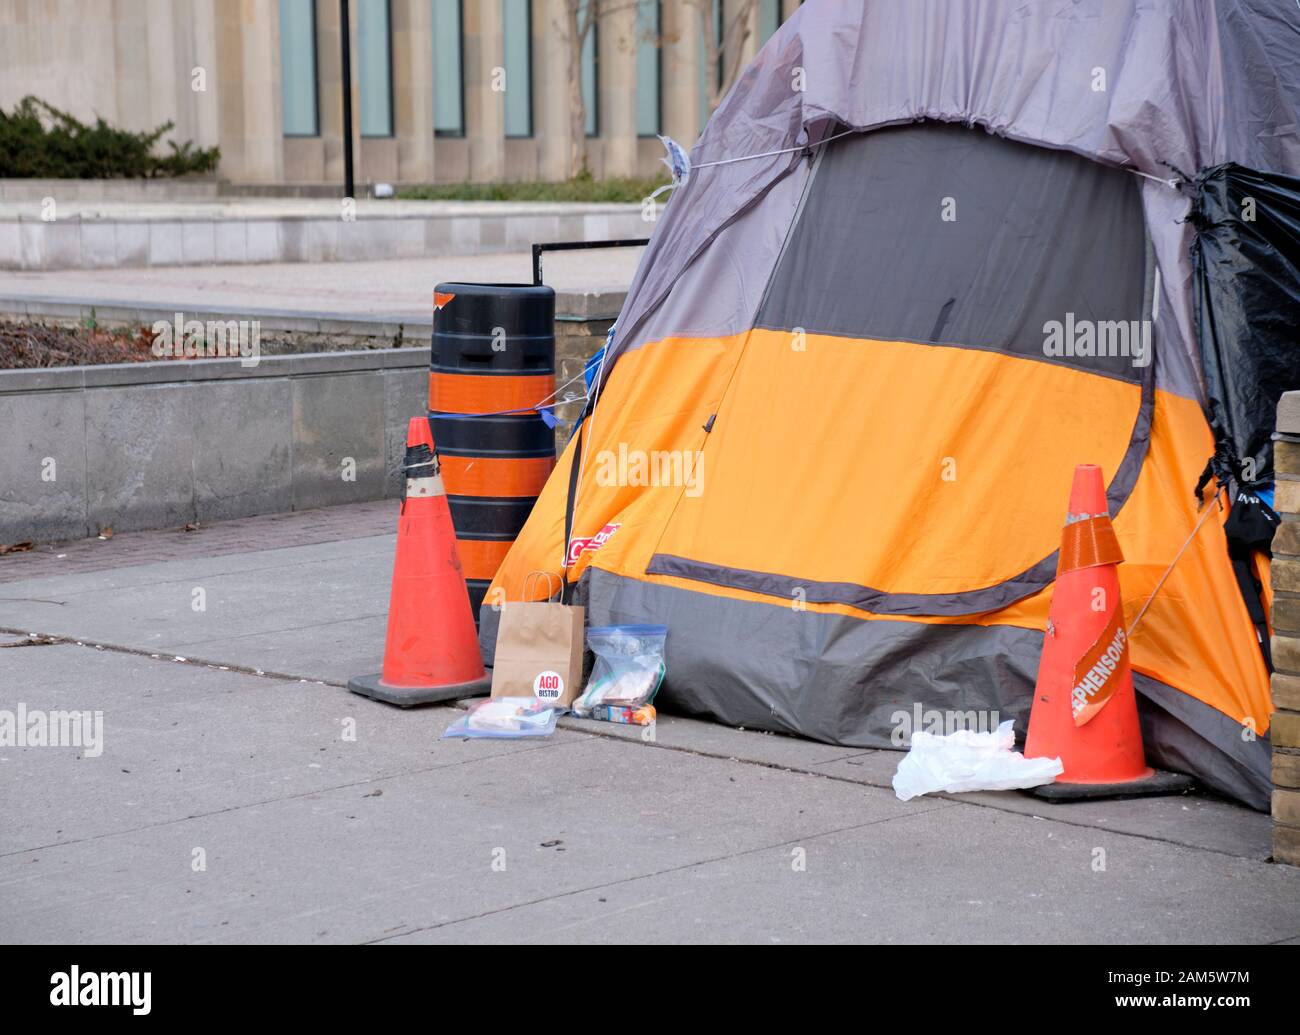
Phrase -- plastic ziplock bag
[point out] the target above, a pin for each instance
(969, 761)
(505, 717)
(629, 667)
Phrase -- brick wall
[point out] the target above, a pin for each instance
(1286, 639)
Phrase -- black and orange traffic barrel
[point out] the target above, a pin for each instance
(492, 362)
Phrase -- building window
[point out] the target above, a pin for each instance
(448, 64)
(375, 58)
(517, 19)
(590, 74)
(769, 19)
(298, 68)
(649, 67)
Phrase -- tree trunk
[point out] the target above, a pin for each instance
(577, 104)
(731, 47)
(724, 51)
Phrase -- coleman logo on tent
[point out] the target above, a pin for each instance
(579, 545)
(1095, 673)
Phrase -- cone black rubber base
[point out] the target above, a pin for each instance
(409, 696)
(1159, 782)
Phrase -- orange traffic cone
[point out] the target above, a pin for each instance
(1084, 709)
(431, 653)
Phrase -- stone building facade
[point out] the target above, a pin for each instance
(442, 90)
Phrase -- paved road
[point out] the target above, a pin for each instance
(230, 802)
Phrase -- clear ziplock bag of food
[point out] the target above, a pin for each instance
(505, 717)
(628, 669)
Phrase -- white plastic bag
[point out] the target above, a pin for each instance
(969, 761)
(505, 717)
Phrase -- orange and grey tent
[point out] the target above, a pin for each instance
(929, 257)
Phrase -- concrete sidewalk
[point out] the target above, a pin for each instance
(393, 290)
(231, 804)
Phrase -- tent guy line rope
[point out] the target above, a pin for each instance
(773, 154)
(546, 399)
(1209, 507)
(1170, 183)
(545, 403)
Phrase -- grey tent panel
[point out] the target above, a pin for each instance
(1187, 86)
(946, 234)
(847, 681)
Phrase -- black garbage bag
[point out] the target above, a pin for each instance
(1246, 268)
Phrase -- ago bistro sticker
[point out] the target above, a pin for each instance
(548, 686)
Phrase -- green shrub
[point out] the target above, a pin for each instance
(39, 140)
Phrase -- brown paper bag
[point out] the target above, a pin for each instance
(539, 648)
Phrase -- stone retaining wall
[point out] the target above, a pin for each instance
(111, 236)
(189, 188)
(158, 445)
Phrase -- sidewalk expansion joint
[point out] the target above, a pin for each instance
(31, 641)
(279, 677)
(1049, 817)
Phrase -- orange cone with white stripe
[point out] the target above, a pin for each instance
(1084, 709)
(431, 652)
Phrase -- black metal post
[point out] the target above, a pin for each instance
(345, 34)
